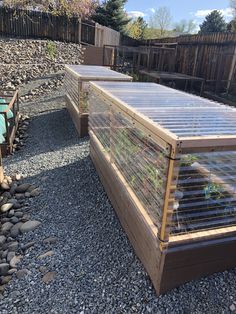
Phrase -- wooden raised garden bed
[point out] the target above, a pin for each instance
(171, 158)
(9, 114)
(76, 86)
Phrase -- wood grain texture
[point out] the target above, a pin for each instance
(80, 120)
(138, 229)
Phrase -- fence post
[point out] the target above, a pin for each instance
(79, 30)
(231, 72)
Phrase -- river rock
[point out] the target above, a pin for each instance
(29, 226)
(5, 186)
(11, 213)
(48, 277)
(19, 214)
(6, 207)
(5, 280)
(15, 260)
(50, 240)
(2, 240)
(12, 247)
(19, 196)
(4, 267)
(15, 230)
(6, 227)
(35, 192)
(14, 220)
(22, 273)
(10, 256)
(22, 188)
(28, 245)
(47, 254)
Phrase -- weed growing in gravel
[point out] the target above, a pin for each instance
(51, 49)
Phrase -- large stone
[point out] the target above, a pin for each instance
(15, 260)
(19, 214)
(5, 186)
(6, 227)
(50, 240)
(27, 246)
(4, 267)
(47, 254)
(48, 277)
(5, 280)
(2, 240)
(10, 256)
(22, 273)
(14, 220)
(12, 247)
(29, 226)
(13, 188)
(35, 192)
(20, 196)
(11, 213)
(15, 230)
(22, 188)
(6, 207)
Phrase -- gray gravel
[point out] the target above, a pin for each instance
(96, 268)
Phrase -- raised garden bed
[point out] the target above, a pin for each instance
(171, 159)
(76, 88)
(9, 113)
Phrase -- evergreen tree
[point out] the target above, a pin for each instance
(111, 13)
(213, 23)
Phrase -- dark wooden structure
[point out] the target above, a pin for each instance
(76, 88)
(212, 57)
(172, 79)
(12, 105)
(126, 58)
(171, 159)
(35, 24)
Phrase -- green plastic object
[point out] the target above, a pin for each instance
(2, 139)
(3, 106)
(2, 125)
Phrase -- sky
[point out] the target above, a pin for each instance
(180, 9)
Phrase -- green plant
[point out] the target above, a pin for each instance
(213, 190)
(84, 98)
(51, 49)
(188, 160)
(151, 173)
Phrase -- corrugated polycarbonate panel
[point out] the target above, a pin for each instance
(71, 87)
(100, 120)
(141, 161)
(92, 72)
(180, 113)
(204, 194)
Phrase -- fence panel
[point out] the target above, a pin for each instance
(34, 24)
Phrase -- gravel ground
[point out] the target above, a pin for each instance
(96, 268)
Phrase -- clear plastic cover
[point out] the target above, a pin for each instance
(71, 87)
(203, 195)
(141, 161)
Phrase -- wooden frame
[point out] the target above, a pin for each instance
(171, 255)
(11, 124)
(79, 114)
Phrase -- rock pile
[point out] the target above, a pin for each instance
(26, 60)
(44, 89)
(21, 133)
(14, 220)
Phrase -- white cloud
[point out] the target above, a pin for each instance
(135, 14)
(152, 10)
(227, 13)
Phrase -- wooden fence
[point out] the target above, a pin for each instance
(212, 57)
(34, 24)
